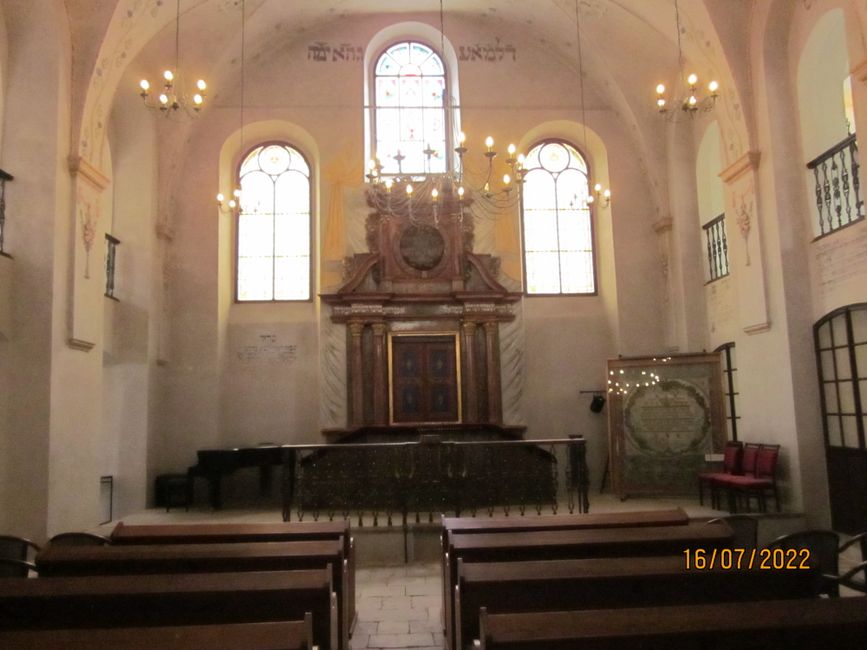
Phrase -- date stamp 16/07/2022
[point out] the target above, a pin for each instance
(736, 559)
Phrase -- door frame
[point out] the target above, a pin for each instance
(458, 356)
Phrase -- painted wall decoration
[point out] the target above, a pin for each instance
(491, 52)
(665, 414)
(321, 52)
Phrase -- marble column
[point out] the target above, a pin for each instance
(380, 401)
(492, 354)
(356, 377)
(470, 382)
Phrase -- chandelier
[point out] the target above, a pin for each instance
(690, 102)
(430, 197)
(172, 98)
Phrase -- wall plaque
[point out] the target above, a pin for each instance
(665, 414)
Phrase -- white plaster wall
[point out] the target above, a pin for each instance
(32, 121)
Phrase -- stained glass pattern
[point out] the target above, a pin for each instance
(274, 225)
(558, 234)
(410, 88)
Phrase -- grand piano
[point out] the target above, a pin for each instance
(215, 463)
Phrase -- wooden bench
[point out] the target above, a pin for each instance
(838, 623)
(469, 526)
(232, 533)
(575, 544)
(503, 587)
(179, 599)
(204, 558)
(294, 635)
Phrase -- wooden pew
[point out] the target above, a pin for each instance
(172, 599)
(204, 558)
(838, 623)
(503, 587)
(231, 533)
(637, 519)
(293, 635)
(575, 544)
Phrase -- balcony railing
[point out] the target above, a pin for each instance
(837, 186)
(4, 176)
(393, 483)
(717, 247)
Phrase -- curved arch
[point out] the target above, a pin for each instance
(232, 154)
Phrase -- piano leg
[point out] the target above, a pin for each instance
(215, 491)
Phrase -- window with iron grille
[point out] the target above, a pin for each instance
(717, 248)
(4, 176)
(730, 388)
(111, 244)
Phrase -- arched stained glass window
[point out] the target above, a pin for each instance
(558, 232)
(409, 107)
(273, 261)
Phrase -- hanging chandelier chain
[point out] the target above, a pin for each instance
(679, 46)
(178, 38)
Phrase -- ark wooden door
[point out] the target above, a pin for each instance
(424, 379)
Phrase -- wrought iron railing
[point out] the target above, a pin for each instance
(717, 247)
(393, 483)
(4, 176)
(111, 244)
(837, 186)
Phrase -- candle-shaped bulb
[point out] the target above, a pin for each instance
(435, 194)
(692, 101)
(607, 194)
(220, 197)
(589, 200)
(145, 85)
(169, 76)
(236, 192)
(388, 184)
(232, 203)
(521, 159)
(512, 149)
(506, 179)
(462, 137)
(409, 190)
(198, 99)
(713, 86)
(201, 85)
(164, 99)
(597, 187)
(489, 143)
(660, 89)
(461, 193)
(692, 79)
(660, 103)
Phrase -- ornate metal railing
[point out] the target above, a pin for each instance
(395, 483)
(837, 186)
(4, 176)
(111, 244)
(717, 247)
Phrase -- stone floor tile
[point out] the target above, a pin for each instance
(432, 626)
(400, 640)
(394, 627)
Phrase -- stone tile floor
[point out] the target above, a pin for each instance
(399, 607)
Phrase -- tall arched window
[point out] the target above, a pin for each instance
(273, 261)
(558, 232)
(410, 110)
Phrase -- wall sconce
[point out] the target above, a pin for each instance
(232, 204)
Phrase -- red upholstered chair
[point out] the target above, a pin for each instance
(731, 465)
(759, 483)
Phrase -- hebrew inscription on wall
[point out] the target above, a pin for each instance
(268, 350)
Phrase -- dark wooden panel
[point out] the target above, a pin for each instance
(293, 635)
(839, 623)
(847, 484)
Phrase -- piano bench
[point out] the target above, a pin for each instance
(173, 490)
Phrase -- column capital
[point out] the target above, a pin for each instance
(356, 327)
